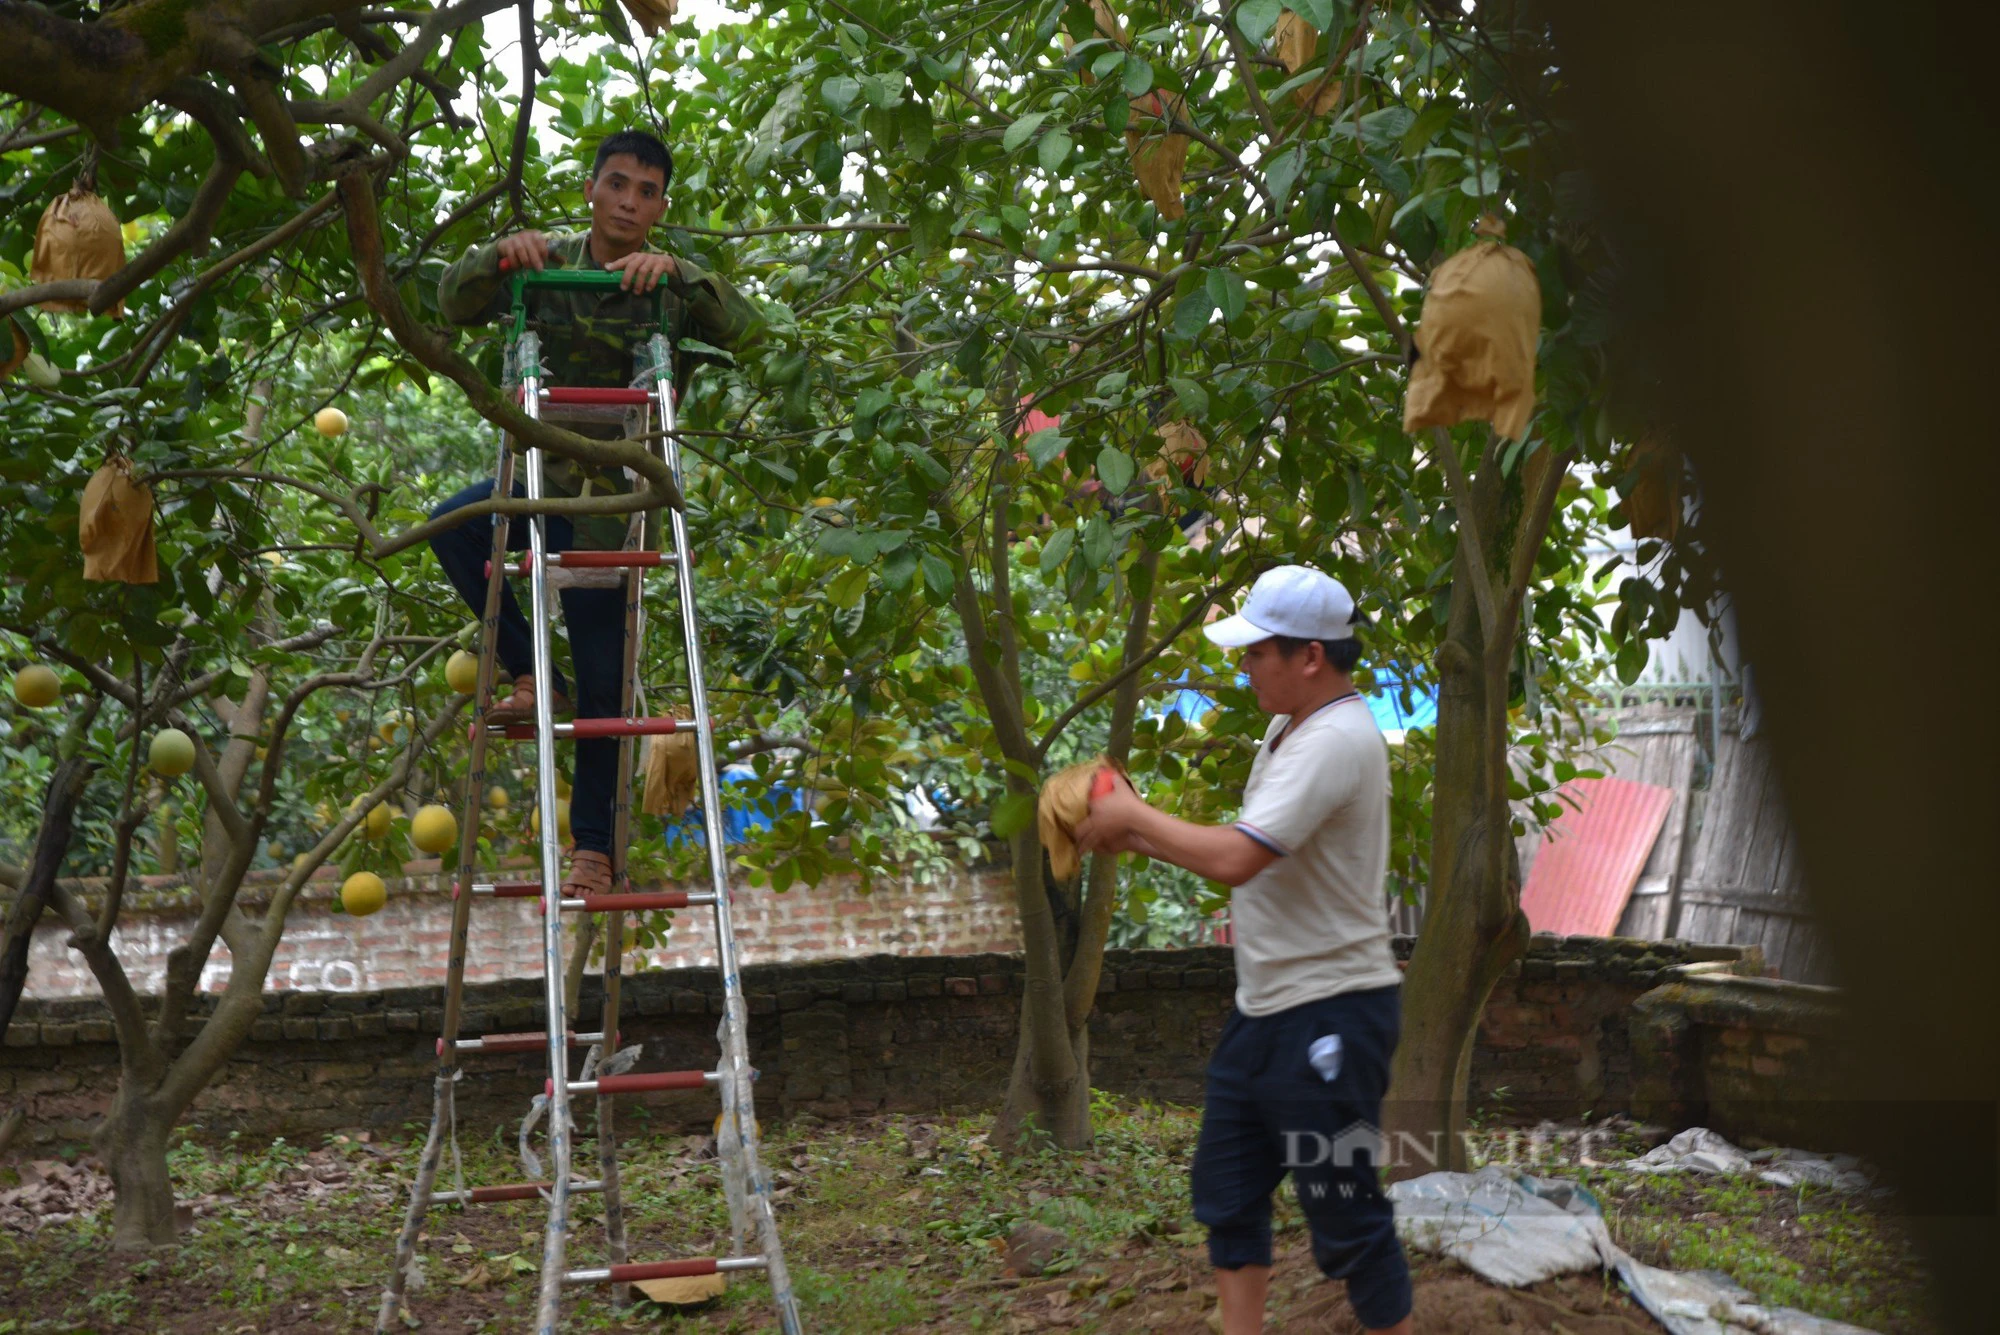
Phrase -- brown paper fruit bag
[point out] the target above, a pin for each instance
(1653, 504)
(1183, 456)
(1475, 342)
(78, 237)
(18, 349)
(1064, 804)
(1295, 42)
(1158, 155)
(116, 527)
(673, 775)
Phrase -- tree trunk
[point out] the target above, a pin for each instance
(1473, 926)
(1063, 1112)
(51, 846)
(1050, 1088)
(132, 1142)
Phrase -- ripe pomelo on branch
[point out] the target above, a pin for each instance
(496, 797)
(172, 753)
(433, 829)
(461, 672)
(37, 686)
(562, 818)
(376, 826)
(330, 422)
(363, 893)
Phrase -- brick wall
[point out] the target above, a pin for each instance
(404, 944)
(833, 1037)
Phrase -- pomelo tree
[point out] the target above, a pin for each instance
(919, 576)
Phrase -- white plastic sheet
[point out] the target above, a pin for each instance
(1700, 1150)
(1515, 1230)
(1496, 1225)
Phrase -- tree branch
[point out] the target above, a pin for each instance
(364, 227)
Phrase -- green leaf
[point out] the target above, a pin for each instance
(1256, 18)
(937, 576)
(1193, 398)
(1226, 290)
(1191, 315)
(1054, 149)
(1116, 468)
(1631, 660)
(1058, 549)
(1482, 183)
(839, 92)
(927, 463)
(1097, 541)
(899, 568)
(1022, 130)
(1045, 445)
(1319, 13)
(1138, 76)
(1283, 173)
(1012, 814)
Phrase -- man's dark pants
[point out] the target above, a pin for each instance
(596, 622)
(1268, 1112)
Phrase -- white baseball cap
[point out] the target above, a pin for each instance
(1295, 601)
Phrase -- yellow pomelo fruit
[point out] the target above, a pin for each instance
(433, 829)
(276, 851)
(330, 422)
(37, 686)
(562, 786)
(496, 797)
(377, 824)
(461, 672)
(172, 753)
(363, 893)
(562, 818)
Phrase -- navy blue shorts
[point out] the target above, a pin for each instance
(1269, 1112)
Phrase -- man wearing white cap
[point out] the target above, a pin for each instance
(1297, 1078)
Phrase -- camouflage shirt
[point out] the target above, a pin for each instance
(596, 339)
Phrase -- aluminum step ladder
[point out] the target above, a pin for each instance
(744, 1181)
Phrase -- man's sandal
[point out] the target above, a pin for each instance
(589, 874)
(520, 706)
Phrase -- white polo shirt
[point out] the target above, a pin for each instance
(1315, 923)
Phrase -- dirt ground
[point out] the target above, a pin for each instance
(890, 1224)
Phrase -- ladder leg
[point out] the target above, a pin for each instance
(444, 1106)
(738, 1106)
(614, 933)
(556, 1236)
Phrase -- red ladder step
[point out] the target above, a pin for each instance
(507, 889)
(694, 1265)
(593, 394)
(589, 561)
(644, 903)
(639, 1084)
(586, 728)
(517, 1191)
(529, 1042)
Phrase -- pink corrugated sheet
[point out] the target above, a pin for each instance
(1592, 855)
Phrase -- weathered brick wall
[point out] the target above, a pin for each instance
(832, 1037)
(404, 944)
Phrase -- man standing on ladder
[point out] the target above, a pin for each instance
(1305, 1055)
(587, 340)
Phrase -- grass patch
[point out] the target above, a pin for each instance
(890, 1224)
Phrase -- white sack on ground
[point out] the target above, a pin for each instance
(1700, 1150)
(1705, 1302)
(1499, 1227)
